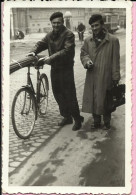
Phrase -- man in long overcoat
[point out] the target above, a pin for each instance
(100, 55)
(60, 43)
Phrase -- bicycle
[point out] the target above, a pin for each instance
(29, 103)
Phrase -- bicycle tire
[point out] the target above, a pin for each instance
(43, 92)
(24, 102)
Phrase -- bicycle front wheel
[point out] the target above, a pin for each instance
(43, 93)
(23, 113)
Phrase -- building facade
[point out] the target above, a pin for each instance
(36, 20)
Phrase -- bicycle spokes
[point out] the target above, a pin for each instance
(43, 94)
(23, 113)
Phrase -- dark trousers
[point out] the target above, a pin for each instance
(81, 36)
(64, 91)
(106, 119)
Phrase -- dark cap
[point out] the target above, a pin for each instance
(56, 15)
(94, 18)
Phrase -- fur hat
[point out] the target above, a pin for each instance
(56, 15)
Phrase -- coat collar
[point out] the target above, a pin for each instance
(97, 49)
(55, 36)
(105, 38)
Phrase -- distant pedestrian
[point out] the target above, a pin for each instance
(81, 29)
(61, 46)
(100, 55)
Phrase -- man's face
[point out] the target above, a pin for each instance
(96, 27)
(57, 24)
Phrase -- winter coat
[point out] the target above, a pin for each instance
(61, 48)
(81, 28)
(106, 59)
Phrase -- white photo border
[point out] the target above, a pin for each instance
(5, 98)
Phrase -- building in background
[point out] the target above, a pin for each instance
(36, 20)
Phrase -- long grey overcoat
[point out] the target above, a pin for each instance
(106, 59)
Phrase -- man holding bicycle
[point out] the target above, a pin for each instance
(61, 46)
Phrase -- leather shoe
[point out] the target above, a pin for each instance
(106, 127)
(65, 121)
(78, 124)
(95, 126)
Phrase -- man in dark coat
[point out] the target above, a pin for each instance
(61, 46)
(100, 55)
(81, 30)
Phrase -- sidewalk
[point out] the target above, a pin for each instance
(81, 158)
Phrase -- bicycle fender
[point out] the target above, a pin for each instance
(46, 78)
(27, 87)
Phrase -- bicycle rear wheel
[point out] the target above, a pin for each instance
(44, 91)
(23, 113)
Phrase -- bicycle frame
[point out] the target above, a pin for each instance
(29, 81)
(30, 86)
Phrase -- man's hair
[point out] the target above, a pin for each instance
(95, 18)
(56, 15)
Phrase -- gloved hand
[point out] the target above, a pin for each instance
(115, 83)
(47, 60)
(41, 62)
(31, 54)
(44, 60)
(89, 65)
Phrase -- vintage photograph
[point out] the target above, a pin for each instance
(69, 98)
